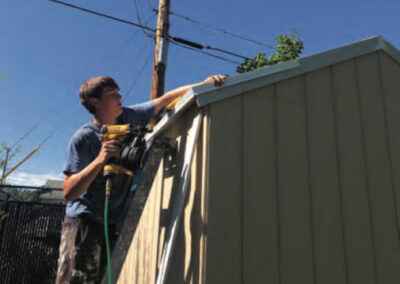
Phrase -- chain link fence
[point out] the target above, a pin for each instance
(29, 239)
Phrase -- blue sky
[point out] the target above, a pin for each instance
(47, 51)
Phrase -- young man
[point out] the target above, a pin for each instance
(82, 247)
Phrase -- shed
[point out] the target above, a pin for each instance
(295, 177)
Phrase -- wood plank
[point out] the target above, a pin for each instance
(224, 230)
(260, 220)
(327, 214)
(294, 196)
(352, 173)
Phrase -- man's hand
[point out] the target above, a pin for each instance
(217, 80)
(159, 103)
(108, 149)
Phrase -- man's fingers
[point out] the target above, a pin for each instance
(219, 79)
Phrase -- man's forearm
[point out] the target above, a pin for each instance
(170, 96)
(76, 184)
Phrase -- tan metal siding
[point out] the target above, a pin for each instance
(294, 196)
(360, 254)
(378, 173)
(140, 263)
(296, 182)
(261, 242)
(224, 230)
(328, 222)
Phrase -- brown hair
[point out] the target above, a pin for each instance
(94, 88)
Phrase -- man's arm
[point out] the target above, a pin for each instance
(78, 183)
(170, 96)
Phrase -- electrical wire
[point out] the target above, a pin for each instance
(25, 135)
(138, 75)
(205, 53)
(183, 41)
(216, 29)
(139, 18)
(104, 15)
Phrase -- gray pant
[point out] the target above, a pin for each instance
(82, 257)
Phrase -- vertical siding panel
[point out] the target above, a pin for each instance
(260, 209)
(143, 241)
(224, 248)
(356, 206)
(204, 197)
(194, 222)
(327, 215)
(378, 167)
(154, 233)
(296, 238)
(390, 80)
(171, 195)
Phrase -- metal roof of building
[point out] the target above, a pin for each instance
(267, 75)
(240, 83)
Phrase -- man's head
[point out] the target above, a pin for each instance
(100, 96)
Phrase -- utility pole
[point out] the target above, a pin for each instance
(160, 50)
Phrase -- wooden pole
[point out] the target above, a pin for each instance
(160, 50)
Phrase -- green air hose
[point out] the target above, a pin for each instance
(107, 239)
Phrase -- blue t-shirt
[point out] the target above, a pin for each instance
(83, 148)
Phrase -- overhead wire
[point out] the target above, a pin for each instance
(103, 15)
(138, 18)
(138, 75)
(183, 41)
(205, 53)
(55, 128)
(216, 29)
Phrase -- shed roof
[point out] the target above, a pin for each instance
(238, 84)
(267, 75)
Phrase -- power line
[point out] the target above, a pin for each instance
(216, 29)
(176, 39)
(104, 15)
(134, 35)
(139, 18)
(205, 53)
(124, 43)
(201, 46)
(138, 75)
(25, 135)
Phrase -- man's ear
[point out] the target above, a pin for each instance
(94, 102)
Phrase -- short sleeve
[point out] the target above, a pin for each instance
(77, 155)
(141, 113)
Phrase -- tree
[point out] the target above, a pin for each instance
(6, 158)
(288, 47)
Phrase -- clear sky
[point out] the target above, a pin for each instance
(48, 50)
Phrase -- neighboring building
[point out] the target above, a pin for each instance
(54, 183)
(295, 177)
(53, 196)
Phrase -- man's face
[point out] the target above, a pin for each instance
(110, 103)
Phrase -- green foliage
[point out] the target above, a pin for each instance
(288, 47)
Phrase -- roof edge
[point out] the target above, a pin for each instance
(169, 117)
(241, 83)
